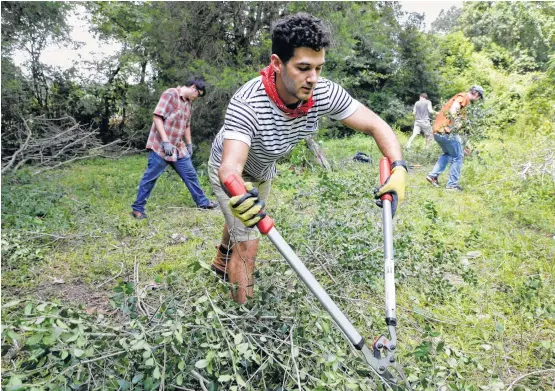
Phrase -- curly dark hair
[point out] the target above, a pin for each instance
(299, 30)
(199, 83)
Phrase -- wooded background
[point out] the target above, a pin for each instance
(380, 54)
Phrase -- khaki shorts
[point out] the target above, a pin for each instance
(237, 230)
(423, 127)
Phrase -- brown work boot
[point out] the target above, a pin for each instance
(220, 263)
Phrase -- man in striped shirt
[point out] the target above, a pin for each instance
(265, 119)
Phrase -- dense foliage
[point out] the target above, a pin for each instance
(380, 54)
(140, 310)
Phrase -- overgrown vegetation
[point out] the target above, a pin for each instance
(475, 307)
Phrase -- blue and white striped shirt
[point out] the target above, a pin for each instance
(254, 119)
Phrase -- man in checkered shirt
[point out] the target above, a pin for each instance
(172, 122)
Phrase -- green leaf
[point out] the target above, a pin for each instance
(71, 337)
(181, 365)
(34, 339)
(123, 343)
(201, 363)
(28, 309)
(218, 310)
(137, 378)
(138, 345)
(11, 303)
(40, 319)
(62, 324)
(204, 265)
(238, 338)
(156, 374)
(149, 362)
(224, 378)
(15, 381)
(412, 377)
(78, 352)
(13, 335)
(49, 340)
(81, 341)
(242, 348)
(178, 336)
(179, 379)
(240, 380)
(64, 354)
(124, 385)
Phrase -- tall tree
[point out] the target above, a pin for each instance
(31, 26)
(447, 21)
(525, 29)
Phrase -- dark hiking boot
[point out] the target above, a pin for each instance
(138, 215)
(210, 205)
(432, 180)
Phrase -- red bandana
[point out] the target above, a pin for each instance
(269, 81)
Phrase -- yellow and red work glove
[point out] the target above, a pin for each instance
(248, 207)
(394, 185)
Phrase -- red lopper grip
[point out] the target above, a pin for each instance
(236, 186)
(385, 172)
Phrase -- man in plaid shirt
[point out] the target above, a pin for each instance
(172, 122)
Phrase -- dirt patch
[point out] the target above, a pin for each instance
(75, 293)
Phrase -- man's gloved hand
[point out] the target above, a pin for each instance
(190, 149)
(247, 207)
(394, 185)
(168, 148)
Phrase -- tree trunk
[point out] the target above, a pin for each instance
(318, 152)
(143, 72)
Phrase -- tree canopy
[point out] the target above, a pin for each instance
(381, 54)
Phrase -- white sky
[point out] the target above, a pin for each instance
(65, 57)
(92, 48)
(431, 9)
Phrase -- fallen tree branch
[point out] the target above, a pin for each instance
(112, 278)
(543, 371)
(20, 150)
(77, 158)
(200, 379)
(52, 143)
(318, 152)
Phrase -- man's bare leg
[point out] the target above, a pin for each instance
(241, 270)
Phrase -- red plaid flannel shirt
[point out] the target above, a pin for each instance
(176, 113)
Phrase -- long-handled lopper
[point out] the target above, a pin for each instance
(381, 355)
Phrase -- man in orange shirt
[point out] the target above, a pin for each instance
(447, 126)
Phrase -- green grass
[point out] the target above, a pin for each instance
(474, 271)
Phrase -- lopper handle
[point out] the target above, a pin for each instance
(236, 186)
(385, 172)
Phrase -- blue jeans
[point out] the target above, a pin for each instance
(452, 153)
(156, 166)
